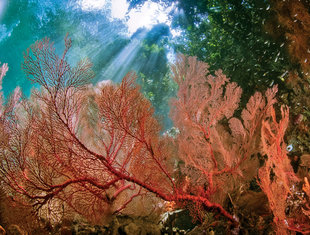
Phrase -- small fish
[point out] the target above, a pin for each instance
(289, 148)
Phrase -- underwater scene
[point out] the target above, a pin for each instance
(154, 117)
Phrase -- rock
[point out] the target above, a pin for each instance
(119, 225)
(179, 220)
(139, 227)
(114, 226)
(84, 228)
(132, 229)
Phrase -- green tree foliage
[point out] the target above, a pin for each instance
(231, 35)
(153, 70)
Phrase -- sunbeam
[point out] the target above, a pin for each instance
(121, 64)
(2, 8)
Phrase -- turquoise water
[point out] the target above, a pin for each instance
(94, 35)
(106, 41)
(22, 23)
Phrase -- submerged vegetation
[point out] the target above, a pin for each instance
(84, 155)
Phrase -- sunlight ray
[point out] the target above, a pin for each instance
(120, 65)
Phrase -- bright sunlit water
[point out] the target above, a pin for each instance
(101, 30)
(148, 15)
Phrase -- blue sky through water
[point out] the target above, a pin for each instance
(94, 25)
